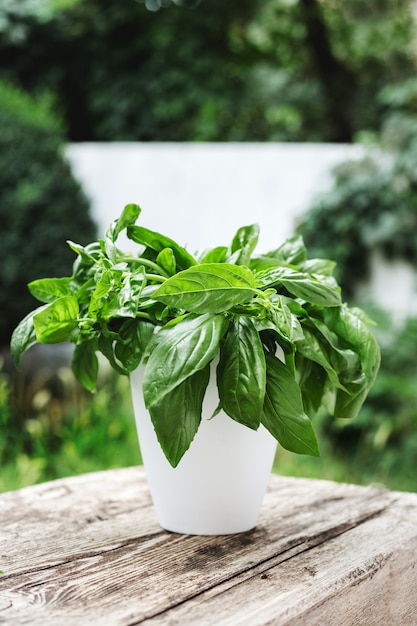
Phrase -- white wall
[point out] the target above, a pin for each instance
(200, 194)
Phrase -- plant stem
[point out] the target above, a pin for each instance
(144, 316)
(156, 277)
(148, 263)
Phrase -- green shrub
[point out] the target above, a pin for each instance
(61, 429)
(372, 206)
(41, 204)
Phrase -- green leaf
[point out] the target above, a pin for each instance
(49, 289)
(283, 413)
(107, 345)
(158, 242)
(317, 348)
(348, 325)
(286, 323)
(23, 337)
(208, 288)
(348, 403)
(312, 383)
(126, 302)
(56, 323)
(128, 217)
(85, 364)
(104, 283)
(357, 381)
(215, 255)
(87, 253)
(319, 266)
(241, 373)
(179, 350)
(134, 337)
(166, 260)
(280, 326)
(112, 252)
(291, 252)
(323, 293)
(177, 416)
(243, 244)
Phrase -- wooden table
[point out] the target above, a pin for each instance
(87, 550)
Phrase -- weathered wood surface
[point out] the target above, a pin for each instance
(88, 550)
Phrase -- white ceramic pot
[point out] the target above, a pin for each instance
(219, 484)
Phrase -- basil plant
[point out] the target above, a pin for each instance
(284, 342)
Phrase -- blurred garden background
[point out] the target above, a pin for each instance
(186, 71)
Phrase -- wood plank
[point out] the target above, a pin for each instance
(363, 577)
(106, 510)
(89, 550)
(101, 510)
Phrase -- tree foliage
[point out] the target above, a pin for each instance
(41, 204)
(373, 203)
(242, 70)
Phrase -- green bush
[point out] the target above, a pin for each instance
(41, 204)
(62, 430)
(372, 205)
(210, 70)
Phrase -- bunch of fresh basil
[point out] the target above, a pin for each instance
(285, 342)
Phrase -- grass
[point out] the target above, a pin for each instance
(388, 469)
(60, 439)
(56, 429)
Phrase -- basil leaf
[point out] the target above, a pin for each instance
(128, 297)
(179, 350)
(158, 242)
(104, 283)
(312, 383)
(85, 364)
(302, 285)
(246, 237)
(243, 244)
(134, 336)
(166, 260)
(177, 415)
(49, 289)
(106, 345)
(357, 381)
(322, 353)
(283, 412)
(286, 323)
(291, 252)
(348, 403)
(355, 333)
(319, 266)
(128, 217)
(241, 373)
(215, 255)
(209, 288)
(280, 326)
(23, 337)
(112, 252)
(87, 253)
(57, 322)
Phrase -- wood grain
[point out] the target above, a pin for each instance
(88, 550)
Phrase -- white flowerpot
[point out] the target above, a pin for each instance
(219, 484)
